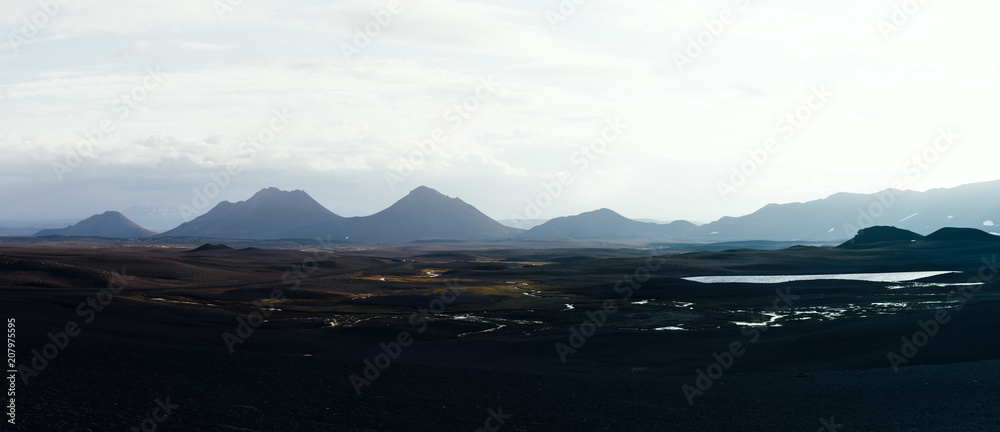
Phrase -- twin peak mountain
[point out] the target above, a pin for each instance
(424, 214)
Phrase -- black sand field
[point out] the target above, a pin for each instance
(443, 336)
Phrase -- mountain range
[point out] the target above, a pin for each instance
(840, 216)
(426, 214)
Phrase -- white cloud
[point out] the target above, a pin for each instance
(197, 46)
(222, 79)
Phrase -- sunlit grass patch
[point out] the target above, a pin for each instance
(422, 276)
(511, 288)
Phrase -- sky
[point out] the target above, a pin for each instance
(658, 109)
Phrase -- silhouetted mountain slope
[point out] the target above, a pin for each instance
(426, 214)
(269, 214)
(841, 215)
(107, 224)
(605, 223)
(879, 235)
(210, 247)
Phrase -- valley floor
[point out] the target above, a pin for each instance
(492, 350)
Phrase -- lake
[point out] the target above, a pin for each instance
(869, 277)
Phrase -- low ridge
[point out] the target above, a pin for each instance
(606, 223)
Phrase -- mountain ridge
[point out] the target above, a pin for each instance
(840, 216)
(270, 213)
(426, 214)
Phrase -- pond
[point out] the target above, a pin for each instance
(770, 279)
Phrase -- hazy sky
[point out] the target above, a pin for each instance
(179, 86)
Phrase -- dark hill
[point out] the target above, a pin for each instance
(210, 247)
(880, 234)
(605, 223)
(108, 224)
(269, 214)
(426, 214)
(962, 234)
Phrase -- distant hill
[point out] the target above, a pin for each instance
(841, 215)
(156, 218)
(657, 221)
(524, 224)
(269, 214)
(879, 235)
(108, 224)
(607, 224)
(426, 214)
(962, 234)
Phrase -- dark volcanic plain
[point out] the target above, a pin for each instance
(818, 358)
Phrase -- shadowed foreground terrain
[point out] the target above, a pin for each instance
(486, 328)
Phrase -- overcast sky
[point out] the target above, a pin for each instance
(691, 86)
